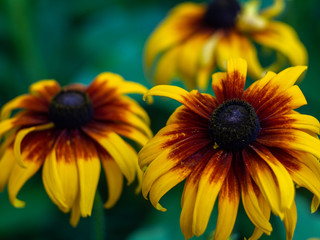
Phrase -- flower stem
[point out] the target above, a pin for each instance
(98, 218)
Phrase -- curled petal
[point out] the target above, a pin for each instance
(60, 173)
(284, 39)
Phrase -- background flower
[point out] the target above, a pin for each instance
(74, 40)
(194, 39)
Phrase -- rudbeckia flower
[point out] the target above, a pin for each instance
(249, 144)
(194, 39)
(70, 132)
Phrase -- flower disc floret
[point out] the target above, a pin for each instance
(234, 125)
(222, 14)
(70, 109)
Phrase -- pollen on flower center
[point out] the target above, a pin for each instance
(234, 125)
(70, 109)
(222, 13)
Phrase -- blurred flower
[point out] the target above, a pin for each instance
(240, 143)
(69, 131)
(196, 38)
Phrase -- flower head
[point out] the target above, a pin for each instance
(69, 131)
(241, 144)
(194, 39)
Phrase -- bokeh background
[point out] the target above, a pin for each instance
(75, 40)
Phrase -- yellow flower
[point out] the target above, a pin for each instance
(239, 144)
(68, 131)
(194, 39)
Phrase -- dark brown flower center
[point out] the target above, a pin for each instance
(222, 14)
(70, 109)
(234, 125)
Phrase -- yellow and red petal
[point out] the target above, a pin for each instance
(21, 135)
(282, 38)
(303, 168)
(265, 179)
(28, 102)
(118, 149)
(228, 204)
(60, 172)
(46, 89)
(199, 103)
(230, 85)
(112, 117)
(210, 183)
(290, 139)
(114, 178)
(254, 205)
(292, 120)
(282, 176)
(88, 169)
(33, 153)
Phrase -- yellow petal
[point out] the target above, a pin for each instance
(274, 10)
(18, 178)
(265, 208)
(75, 212)
(190, 57)
(7, 125)
(114, 179)
(288, 77)
(177, 27)
(7, 163)
(156, 169)
(188, 201)
(207, 61)
(166, 68)
(290, 220)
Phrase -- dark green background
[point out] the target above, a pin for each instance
(73, 41)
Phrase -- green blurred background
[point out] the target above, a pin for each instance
(73, 41)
